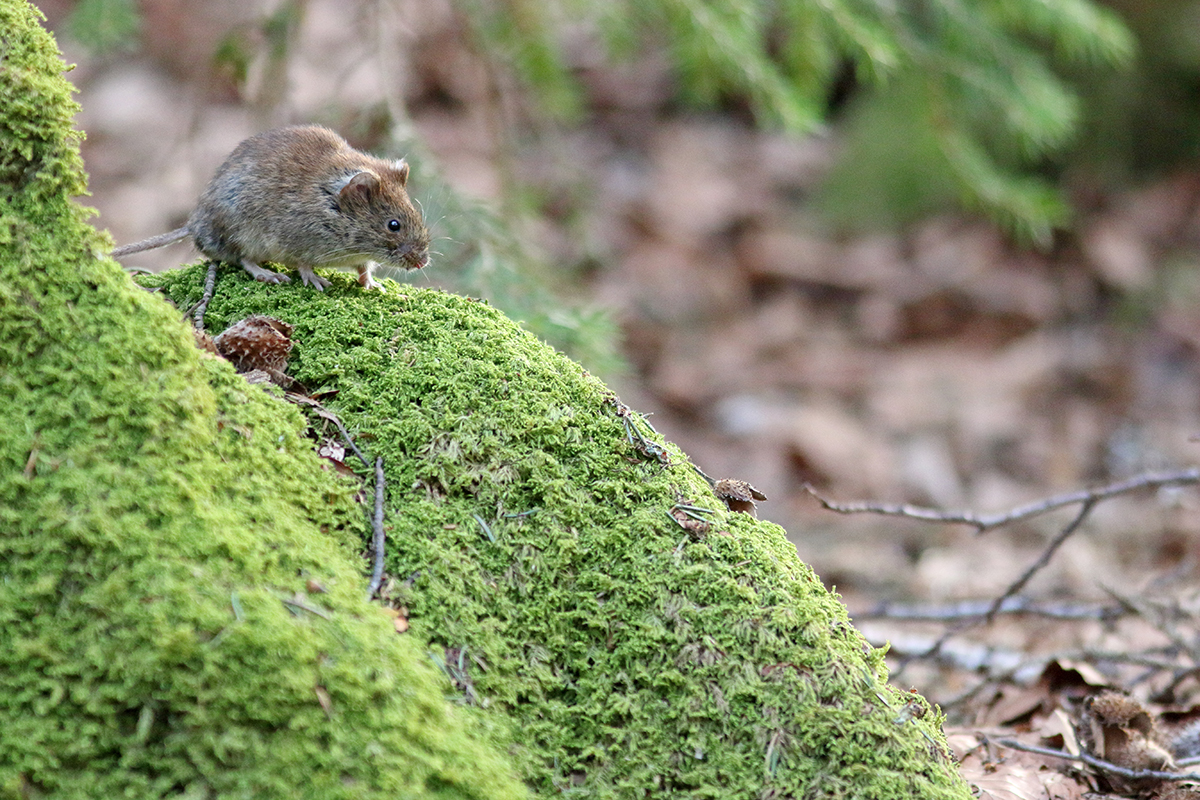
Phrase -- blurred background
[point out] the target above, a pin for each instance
(942, 252)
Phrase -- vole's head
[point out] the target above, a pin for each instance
(379, 220)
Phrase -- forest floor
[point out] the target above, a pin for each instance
(939, 366)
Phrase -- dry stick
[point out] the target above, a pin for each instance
(1042, 560)
(930, 612)
(210, 284)
(1101, 764)
(985, 522)
(1016, 586)
(325, 413)
(1157, 620)
(346, 436)
(1085, 655)
(377, 528)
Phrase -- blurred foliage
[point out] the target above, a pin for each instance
(979, 84)
(479, 252)
(1146, 120)
(105, 25)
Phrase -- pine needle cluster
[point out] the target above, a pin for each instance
(982, 79)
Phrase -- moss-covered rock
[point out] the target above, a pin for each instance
(531, 538)
(160, 521)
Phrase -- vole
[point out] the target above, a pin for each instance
(302, 197)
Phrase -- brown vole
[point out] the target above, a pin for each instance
(302, 197)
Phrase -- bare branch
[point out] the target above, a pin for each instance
(1101, 764)
(985, 522)
(970, 609)
(377, 530)
(210, 284)
(1042, 560)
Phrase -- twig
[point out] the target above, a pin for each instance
(210, 284)
(1157, 619)
(1101, 764)
(1042, 560)
(985, 522)
(345, 434)
(1014, 587)
(377, 530)
(969, 609)
(1087, 499)
(323, 413)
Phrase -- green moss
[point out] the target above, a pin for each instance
(532, 546)
(160, 521)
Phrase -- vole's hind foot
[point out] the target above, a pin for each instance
(312, 279)
(264, 275)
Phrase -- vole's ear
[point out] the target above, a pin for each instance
(401, 167)
(360, 188)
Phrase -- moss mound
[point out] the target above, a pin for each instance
(533, 547)
(160, 521)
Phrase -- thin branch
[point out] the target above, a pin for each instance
(1157, 619)
(970, 609)
(1042, 560)
(1087, 499)
(1011, 591)
(1101, 764)
(985, 522)
(323, 413)
(210, 284)
(377, 529)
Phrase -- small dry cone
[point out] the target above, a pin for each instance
(258, 344)
(204, 341)
(1118, 729)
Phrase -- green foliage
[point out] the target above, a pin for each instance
(1143, 122)
(159, 522)
(477, 252)
(979, 74)
(105, 25)
(978, 78)
(533, 547)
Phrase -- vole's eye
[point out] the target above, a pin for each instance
(393, 225)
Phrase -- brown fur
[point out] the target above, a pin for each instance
(302, 197)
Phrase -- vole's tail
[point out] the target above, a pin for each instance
(162, 240)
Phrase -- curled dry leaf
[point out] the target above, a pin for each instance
(335, 453)
(738, 495)
(692, 523)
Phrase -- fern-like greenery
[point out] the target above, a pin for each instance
(978, 77)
